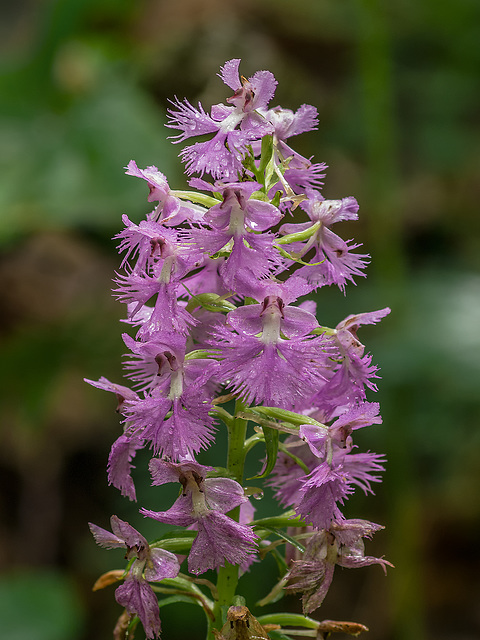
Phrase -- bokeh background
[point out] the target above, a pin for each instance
(84, 88)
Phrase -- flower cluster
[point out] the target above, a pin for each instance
(214, 282)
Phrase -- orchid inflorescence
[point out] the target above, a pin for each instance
(212, 280)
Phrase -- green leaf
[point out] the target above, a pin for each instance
(299, 236)
(286, 416)
(210, 301)
(287, 519)
(276, 634)
(175, 541)
(285, 537)
(271, 445)
(178, 598)
(284, 449)
(196, 196)
(290, 619)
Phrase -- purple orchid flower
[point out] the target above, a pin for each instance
(234, 126)
(124, 449)
(332, 482)
(333, 261)
(342, 545)
(203, 505)
(354, 372)
(267, 352)
(171, 211)
(239, 220)
(300, 173)
(149, 565)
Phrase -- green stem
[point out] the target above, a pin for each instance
(228, 575)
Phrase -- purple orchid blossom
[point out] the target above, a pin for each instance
(149, 565)
(300, 173)
(240, 219)
(268, 356)
(203, 504)
(342, 545)
(333, 261)
(171, 211)
(234, 126)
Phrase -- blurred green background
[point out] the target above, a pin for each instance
(84, 88)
